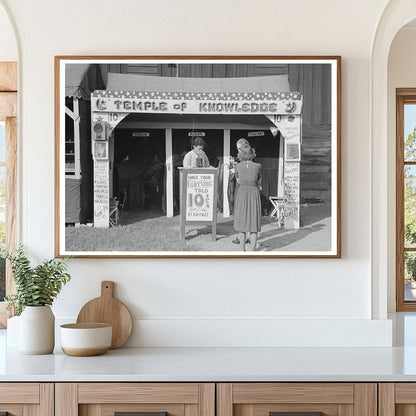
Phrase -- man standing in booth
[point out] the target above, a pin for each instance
(196, 158)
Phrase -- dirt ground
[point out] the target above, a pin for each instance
(314, 234)
(150, 231)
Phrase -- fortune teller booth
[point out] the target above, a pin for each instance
(141, 127)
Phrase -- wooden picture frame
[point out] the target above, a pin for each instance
(146, 113)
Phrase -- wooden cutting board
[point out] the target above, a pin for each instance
(108, 310)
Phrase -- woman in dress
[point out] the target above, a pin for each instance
(247, 207)
(232, 184)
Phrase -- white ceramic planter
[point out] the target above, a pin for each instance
(37, 330)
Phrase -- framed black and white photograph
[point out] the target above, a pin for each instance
(198, 156)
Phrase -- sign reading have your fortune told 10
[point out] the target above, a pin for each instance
(199, 198)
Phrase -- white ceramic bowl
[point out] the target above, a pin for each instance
(83, 340)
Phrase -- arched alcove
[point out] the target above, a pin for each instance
(396, 15)
(401, 74)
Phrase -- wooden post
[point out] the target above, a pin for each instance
(214, 208)
(182, 204)
(226, 174)
(280, 171)
(77, 151)
(101, 184)
(111, 146)
(169, 173)
(77, 147)
(288, 188)
(292, 137)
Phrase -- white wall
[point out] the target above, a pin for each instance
(8, 46)
(212, 302)
(401, 74)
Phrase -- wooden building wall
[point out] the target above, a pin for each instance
(313, 81)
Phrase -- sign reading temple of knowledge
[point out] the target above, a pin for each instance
(195, 103)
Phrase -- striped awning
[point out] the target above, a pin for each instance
(133, 82)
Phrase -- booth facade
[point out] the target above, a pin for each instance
(170, 111)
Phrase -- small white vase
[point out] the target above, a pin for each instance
(37, 330)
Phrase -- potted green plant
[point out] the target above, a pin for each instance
(36, 289)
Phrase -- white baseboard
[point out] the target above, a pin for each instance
(189, 332)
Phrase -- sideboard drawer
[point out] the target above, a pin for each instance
(146, 399)
(309, 399)
(397, 399)
(21, 399)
